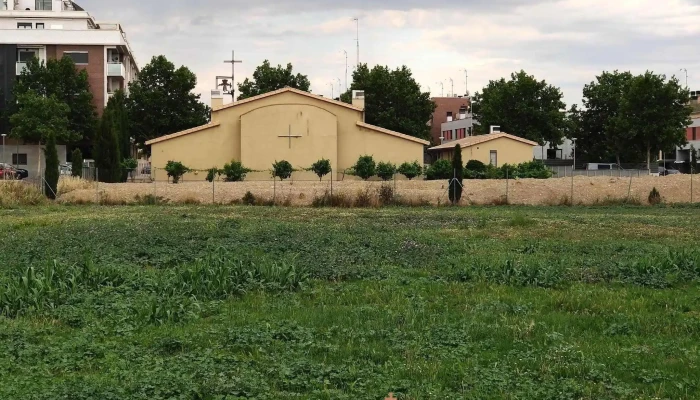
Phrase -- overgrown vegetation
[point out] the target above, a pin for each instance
(440, 169)
(258, 302)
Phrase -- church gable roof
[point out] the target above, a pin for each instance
(288, 90)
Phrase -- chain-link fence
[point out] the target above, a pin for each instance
(341, 189)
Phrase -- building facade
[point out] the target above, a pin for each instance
(495, 149)
(287, 124)
(447, 109)
(52, 29)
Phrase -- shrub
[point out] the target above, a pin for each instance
(129, 165)
(654, 197)
(386, 171)
(386, 195)
(440, 169)
(249, 199)
(282, 169)
(476, 166)
(321, 168)
(364, 198)
(493, 172)
(365, 167)
(52, 172)
(410, 170)
(212, 173)
(235, 171)
(77, 164)
(334, 200)
(455, 188)
(176, 170)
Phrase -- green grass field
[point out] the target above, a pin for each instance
(175, 302)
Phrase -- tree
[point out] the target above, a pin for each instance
(58, 78)
(655, 113)
(410, 170)
(321, 168)
(629, 117)
(522, 106)
(39, 117)
(77, 165)
(365, 167)
(51, 173)
(161, 101)
(106, 151)
(267, 79)
(455, 190)
(694, 155)
(235, 171)
(600, 135)
(176, 170)
(440, 169)
(393, 100)
(118, 107)
(386, 171)
(282, 169)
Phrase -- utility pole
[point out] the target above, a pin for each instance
(686, 77)
(332, 87)
(340, 91)
(442, 88)
(233, 63)
(357, 20)
(452, 82)
(346, 70)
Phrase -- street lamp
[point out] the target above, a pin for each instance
(574, 142)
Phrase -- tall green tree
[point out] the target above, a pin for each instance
(77, 163)
(106, 151)
(628, 118)
(58, 78)
(267, 78)
(38, 117)
(455, 189)
(655, 113)
(161, 101)
(601, 136)
(522, 106)
(51, 173)
(118, 108)
(393, 100)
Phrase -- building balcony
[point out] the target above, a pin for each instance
(116, 70)
(20, 67)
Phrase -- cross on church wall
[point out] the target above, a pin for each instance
(290, 136)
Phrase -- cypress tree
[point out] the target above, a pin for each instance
(107, 158)
(77, 164)
(458, 176)
(51, 173)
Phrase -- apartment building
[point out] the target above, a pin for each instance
(52, 29)
(450, 109)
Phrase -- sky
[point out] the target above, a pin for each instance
(565, 42)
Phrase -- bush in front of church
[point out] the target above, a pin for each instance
(321, 168)
(386, 171)
(282, 169)
(440, 169)
(176, 170)
(410, 170)
(365, 167)
(235, 171)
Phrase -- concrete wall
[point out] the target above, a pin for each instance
(509, 152)
(250, 132)
(33, 152)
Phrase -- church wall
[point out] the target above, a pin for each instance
(383, 147)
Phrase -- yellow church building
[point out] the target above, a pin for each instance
(287, 124)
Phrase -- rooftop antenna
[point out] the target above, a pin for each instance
(332, 87)
(686, 77)
(453, 86)
(339, 88)
(357, 20)
(466, 83)
(346, 70)
(442, 88)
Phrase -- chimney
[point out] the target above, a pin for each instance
(217, 99)
(495, 129)
(358, 99)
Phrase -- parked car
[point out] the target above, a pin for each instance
(8, 171)
(668, 171)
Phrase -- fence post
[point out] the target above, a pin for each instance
(572, 186)
(691, 182)
(332, 172)
(97, 185)
(629, 191)
(155, 189)
(507, 181)
(213, 190)
(274, 189)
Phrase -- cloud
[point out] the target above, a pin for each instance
(566, 42)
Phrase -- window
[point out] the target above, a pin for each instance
(77, 57)
(39, 25)
(43, 5)
(449, 116)
(494, 158)
(461, 133)
(19, 159)
(447, 135)
(24, 25)
(24, 55)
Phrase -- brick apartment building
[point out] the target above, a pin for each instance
(51, 29)
(448, 109)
